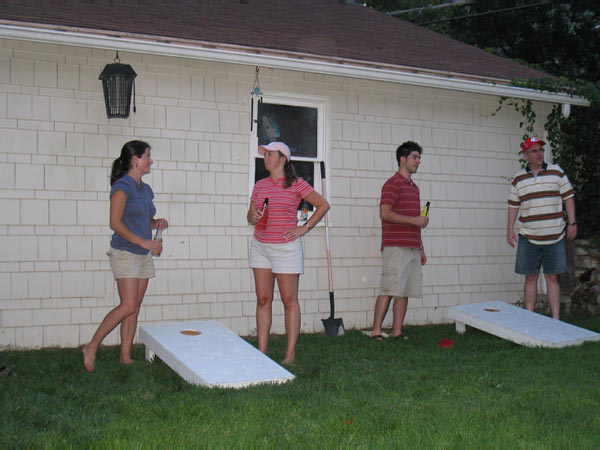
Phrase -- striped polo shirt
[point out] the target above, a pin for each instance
(282, 210)
(403, 195)
(540, 198)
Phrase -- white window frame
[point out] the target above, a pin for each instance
(321, 104)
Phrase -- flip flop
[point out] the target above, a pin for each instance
(377, 337)
(402, 337)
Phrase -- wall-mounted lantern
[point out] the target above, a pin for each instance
(118, 83)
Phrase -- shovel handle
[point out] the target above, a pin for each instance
(326, 221)
(330, 276)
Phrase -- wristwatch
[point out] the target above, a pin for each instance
(308, 226)
(572, 223)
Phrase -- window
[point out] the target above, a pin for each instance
(298, 121)
(295, 125)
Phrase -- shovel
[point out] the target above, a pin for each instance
(333, 327)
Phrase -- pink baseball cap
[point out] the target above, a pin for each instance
(276, 146)
(529, 143)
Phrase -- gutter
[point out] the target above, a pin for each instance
(276, 60)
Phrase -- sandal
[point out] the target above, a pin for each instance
(377, 337)
(402, 337)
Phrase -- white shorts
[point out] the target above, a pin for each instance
(401, 272)
(280, 258)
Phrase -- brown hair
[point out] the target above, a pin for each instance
(290, 173)
(122, 164)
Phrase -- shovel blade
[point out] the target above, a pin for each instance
(333, 327)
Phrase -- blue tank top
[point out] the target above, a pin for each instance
(138, 213)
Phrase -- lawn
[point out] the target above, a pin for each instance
(483, 392)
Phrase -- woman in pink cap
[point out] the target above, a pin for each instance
(276, 253)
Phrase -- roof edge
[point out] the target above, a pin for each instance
(278, 60)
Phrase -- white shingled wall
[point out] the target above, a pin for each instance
(56, 147)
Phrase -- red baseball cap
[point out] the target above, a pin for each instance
(529, 143)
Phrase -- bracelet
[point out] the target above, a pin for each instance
(572, 224)
(308, 226)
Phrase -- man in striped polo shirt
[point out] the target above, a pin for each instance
(401, 245)
(539, 191)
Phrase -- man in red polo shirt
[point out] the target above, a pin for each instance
(401, 245)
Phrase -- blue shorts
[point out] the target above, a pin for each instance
(530, 257)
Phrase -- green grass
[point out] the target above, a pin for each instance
(350, 392)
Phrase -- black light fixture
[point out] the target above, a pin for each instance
(118, 83)
(255, 92)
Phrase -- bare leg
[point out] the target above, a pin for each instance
(288, 287)
(381, 307)
(553, 294)
(264, 280)
(129, 324)
(399, 309)
(128, 288)
(530, 292)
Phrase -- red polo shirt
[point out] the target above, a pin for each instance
(403, 195)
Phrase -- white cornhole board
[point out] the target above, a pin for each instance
(217, 357)
(519, 325)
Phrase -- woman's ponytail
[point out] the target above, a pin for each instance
(122, 164)
(290, 174)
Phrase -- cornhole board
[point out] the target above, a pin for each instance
(519, 325)
(209, 354)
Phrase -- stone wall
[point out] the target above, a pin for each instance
(583, 280)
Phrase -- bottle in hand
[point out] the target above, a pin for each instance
(304, 209)
(425, 211)
(158, 237)
(264, 215)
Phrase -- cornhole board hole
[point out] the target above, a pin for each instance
(519, 325)
(209, 354)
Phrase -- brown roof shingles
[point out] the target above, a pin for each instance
(317, 27)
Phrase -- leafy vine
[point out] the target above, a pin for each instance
(570, 138)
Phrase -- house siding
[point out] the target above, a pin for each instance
(56, 148)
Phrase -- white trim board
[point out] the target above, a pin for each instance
(217, 357)
(519, 325)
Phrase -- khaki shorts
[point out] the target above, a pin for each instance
(280, 258)
(401, 272)
(125, 264)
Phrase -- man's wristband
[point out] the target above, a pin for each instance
(572, 224)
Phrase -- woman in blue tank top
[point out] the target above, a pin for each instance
(132, 220)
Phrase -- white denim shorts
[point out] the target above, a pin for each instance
(125, 264)
(280, 258)
(401, 272)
